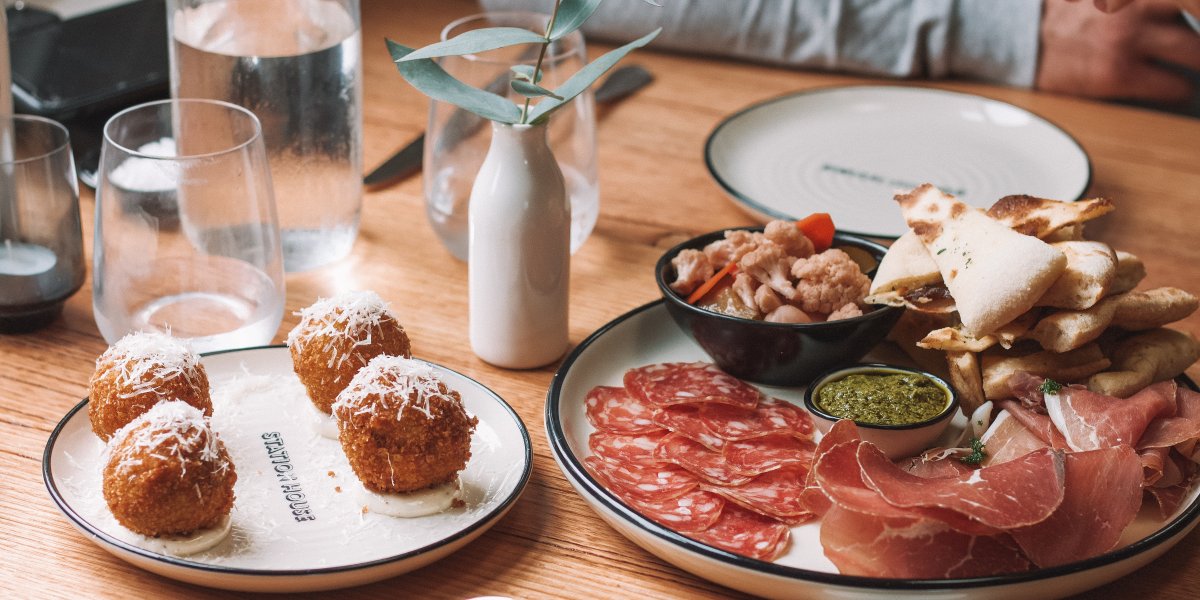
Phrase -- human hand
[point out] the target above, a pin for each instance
(1085, 52)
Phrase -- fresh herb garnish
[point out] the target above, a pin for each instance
(941, 251)
(978, 452)
(1051, 386)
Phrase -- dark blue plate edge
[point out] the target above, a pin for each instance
(573, 469)
(763, 210)
(95, 532)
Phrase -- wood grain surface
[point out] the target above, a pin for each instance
(655, 191)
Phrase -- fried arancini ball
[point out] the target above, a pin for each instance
(139, 371)
(401, 428)
(338, 336)
(167, 473)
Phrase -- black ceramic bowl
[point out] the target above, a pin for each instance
(782, 354)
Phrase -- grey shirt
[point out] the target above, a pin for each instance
(989, 40)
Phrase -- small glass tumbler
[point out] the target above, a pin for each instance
(187, 240)
(41, 239)
(457, 141)
(297, 65)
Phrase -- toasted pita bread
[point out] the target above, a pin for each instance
(994, 273)
(1040, 217)
(1068, 367)
(1091, 267)
(1140, 360)
(1132, 311)
(1130, 272)
(911, 327)
(953, 339)
(908, 277)
(966, 379)
(1014, 330)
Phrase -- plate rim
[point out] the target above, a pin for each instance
(758, 208)
(574, 470)
(100, 536)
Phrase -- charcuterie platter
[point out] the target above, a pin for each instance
(647, 335)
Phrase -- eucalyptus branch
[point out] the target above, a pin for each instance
(537, 68)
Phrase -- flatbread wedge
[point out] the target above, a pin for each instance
(1041, 217)
(993, 273)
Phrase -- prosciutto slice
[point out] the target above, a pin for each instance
(1007, 438)
(813, 499)
(1103, 495)
(1091, 421)
(1165, 432)
(747, 533)
(687, 383)
(1020, 492)
(1037, 423)
(613, 409)
(913, 548)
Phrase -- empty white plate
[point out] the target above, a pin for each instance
(847, 150)
(256, 399)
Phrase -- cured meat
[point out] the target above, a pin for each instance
(759, 455)
(1154, 462)
(1007, 439)
(913, 548)
(1090, 421)
(1037, 423)
(1103, 495)
(613, 409)
(692, 512)
(839, 476)
(744, 532)
(648, 483)
(698, 460)
(774, 494)
(1183, 427)
(770, 417)
(635, 449)
(686, 383)
(813, 499)
(685, 420)
(1020, 492)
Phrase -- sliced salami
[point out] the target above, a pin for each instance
(635, 449)
(774, 494)
(747, 533)
(694, 511)
(685, 420)
(614, 409)
(687, 383)
(760, 455)
(647, 483)
(700, 461)
(770, 417)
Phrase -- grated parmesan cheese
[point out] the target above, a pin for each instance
(350, 315)
(399, 384)
(144, 359)
(169, 430)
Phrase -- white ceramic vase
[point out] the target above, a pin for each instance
(519, 224)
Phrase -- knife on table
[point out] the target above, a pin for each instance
(621, 83)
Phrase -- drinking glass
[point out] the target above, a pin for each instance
(295, 64)
(41, 239)
(186, 239)
(456, 141)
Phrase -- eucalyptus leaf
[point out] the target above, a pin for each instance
(477, 40)
(530, 90)
(585, 77)
(527, 73)
(571, 15)
(433, 81)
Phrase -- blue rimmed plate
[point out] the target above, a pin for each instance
(647, 335)
(257, 399)
(847, 150)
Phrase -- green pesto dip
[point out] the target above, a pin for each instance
(883, 398)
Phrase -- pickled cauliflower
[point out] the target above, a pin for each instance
(827, 282)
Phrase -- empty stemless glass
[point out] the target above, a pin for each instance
(457, 141)
(187, 240)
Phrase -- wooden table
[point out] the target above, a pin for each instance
(655, 192)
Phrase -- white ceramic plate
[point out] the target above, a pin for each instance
(254, 393)
(847, 150)
(648, 335)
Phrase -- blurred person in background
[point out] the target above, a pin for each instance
(1137, 50)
